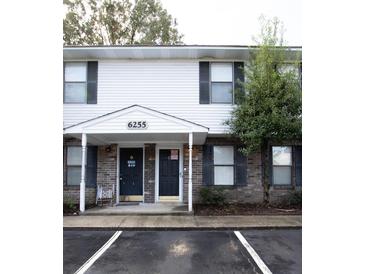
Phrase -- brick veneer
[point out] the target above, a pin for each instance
(197, 178)
(251, 193)
(278, 193)
(107, 167)
(72, 193)
(149, 173)
(106, 172)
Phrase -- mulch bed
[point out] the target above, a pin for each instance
(67, 211)
(245, 209)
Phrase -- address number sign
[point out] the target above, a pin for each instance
(137, 124)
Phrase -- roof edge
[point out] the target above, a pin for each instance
(135, 105)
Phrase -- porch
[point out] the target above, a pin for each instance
(141, 157)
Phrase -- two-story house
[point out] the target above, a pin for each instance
(147, 123)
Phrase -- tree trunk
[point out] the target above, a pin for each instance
(266, 170)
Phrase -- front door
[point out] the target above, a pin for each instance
(169, 172)
(131, 173)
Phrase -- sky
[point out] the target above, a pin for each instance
(233, 22)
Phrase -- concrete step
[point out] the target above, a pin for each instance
(163, 209)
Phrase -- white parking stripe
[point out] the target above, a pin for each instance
(254, 255)
(98, 253)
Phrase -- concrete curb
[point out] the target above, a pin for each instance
(163, 222)
(178, 228)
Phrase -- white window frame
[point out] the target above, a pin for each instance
(74, 82)
(224, 165)
(211, 82)
(278, 165)
(67, 165)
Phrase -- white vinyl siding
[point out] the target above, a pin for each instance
(169, 86)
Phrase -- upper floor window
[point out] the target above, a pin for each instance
(75, 83)
(221, 83)
(80, 82)
(291, 67)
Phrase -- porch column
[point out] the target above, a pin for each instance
(83, 165)
(190, 171)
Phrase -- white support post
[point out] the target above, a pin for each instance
(83, 170)
(190, 171)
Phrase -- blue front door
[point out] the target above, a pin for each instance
(169, 172)
(131, 171)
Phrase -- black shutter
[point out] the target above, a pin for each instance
(240, 161)
(204, 97)
(238, 76)
(270, 167)
(208, 168)
(91, 166)
(92, 82)
(298, 165)
(300, 74)
(64, 95)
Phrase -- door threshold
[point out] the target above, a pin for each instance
(131, 198)
(168, 199)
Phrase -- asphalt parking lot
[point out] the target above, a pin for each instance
(183, 251)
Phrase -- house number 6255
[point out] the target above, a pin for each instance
(137, 124)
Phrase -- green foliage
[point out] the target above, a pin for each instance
(118, 22)
(271, 107)
(212, 196)
(70, 204)
(294, 198)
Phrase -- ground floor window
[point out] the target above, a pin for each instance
(223, 159)
(74, 162)
(282, 165)
(74, 156)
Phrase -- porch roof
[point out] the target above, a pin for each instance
(115, 127)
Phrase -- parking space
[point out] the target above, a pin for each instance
(183, 251)
(79, 246)
(281, 250)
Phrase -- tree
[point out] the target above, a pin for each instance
(118, 22)
(270, 109)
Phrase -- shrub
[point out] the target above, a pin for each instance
(71, 205)
(294, 198)
(212, 196)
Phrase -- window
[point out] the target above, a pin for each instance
(75, 83)
(294, 68)
(282, 165)
(74, 155)
(221, 83)
(223, 165)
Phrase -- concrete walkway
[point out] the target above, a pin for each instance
(140, 209)
(180, 222)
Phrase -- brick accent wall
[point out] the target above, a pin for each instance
(72, 193)
(149, 173)
(278, 193)
(251, 193)
(107, 167)
(197, 178)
